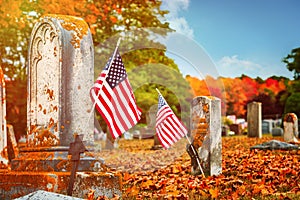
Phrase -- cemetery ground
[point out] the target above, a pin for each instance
(166, 174)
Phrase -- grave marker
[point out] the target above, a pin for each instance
(254, 119)
(60, 75)
(290, 124)
(76, 148)
(207, 134)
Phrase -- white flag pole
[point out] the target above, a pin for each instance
(186, 138)
(111, 61)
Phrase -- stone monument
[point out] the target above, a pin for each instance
(60, 75)
(206, 134)
(290, 124)
(254, 119)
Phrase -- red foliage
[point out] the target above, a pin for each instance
(235, 93)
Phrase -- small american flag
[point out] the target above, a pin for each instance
(169, 128)
(115, 101)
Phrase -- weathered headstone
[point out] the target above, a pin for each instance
(290, 124)
(207, 134)
(12, 145)
(3, 134)
(254, 119)
(225, 130)
(151, 119)
(60, 75)
(151, 123)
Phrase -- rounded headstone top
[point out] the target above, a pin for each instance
(77, 25)
(290, 117)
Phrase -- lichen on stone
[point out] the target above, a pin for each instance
(77, 25)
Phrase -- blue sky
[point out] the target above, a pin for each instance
(234, 37)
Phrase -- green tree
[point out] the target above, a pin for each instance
(292, 62)
(292, 104)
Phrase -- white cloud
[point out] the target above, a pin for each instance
(235, 67)
(177, 22)
(174, 6)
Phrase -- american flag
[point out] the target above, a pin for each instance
(169, 128)
(115, 101)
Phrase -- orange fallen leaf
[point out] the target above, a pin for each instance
(214, 192)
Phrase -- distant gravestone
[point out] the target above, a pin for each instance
(236, 128)
(290, 124)
(151, 123)
(12, 145)
(277, 131)
(207, 134)
(3, 134)
(60, 75)
(254, 119)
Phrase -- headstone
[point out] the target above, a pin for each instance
(254, 119)
(60, 75)
(236, 128)
(206, 134)
(3, 134)
(268, 124)
(225, 130)
(12, 145)
(290, 124)
(151, 123)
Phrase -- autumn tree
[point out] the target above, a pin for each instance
(108, 20)
(199, 87)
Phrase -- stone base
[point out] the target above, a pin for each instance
(15, 184)
(56, 160)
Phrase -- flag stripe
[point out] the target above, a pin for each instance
(115, 102)
(169, 128)
(126, 104)
(110, 106)
(107, 112)
(165, 113)
(135, 110)
(173, 130)
(163, 136)
(163, 142)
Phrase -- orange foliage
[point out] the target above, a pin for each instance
(199, 87)
(272, 85)
(234, 92)
(66, 7)
(10, 13)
